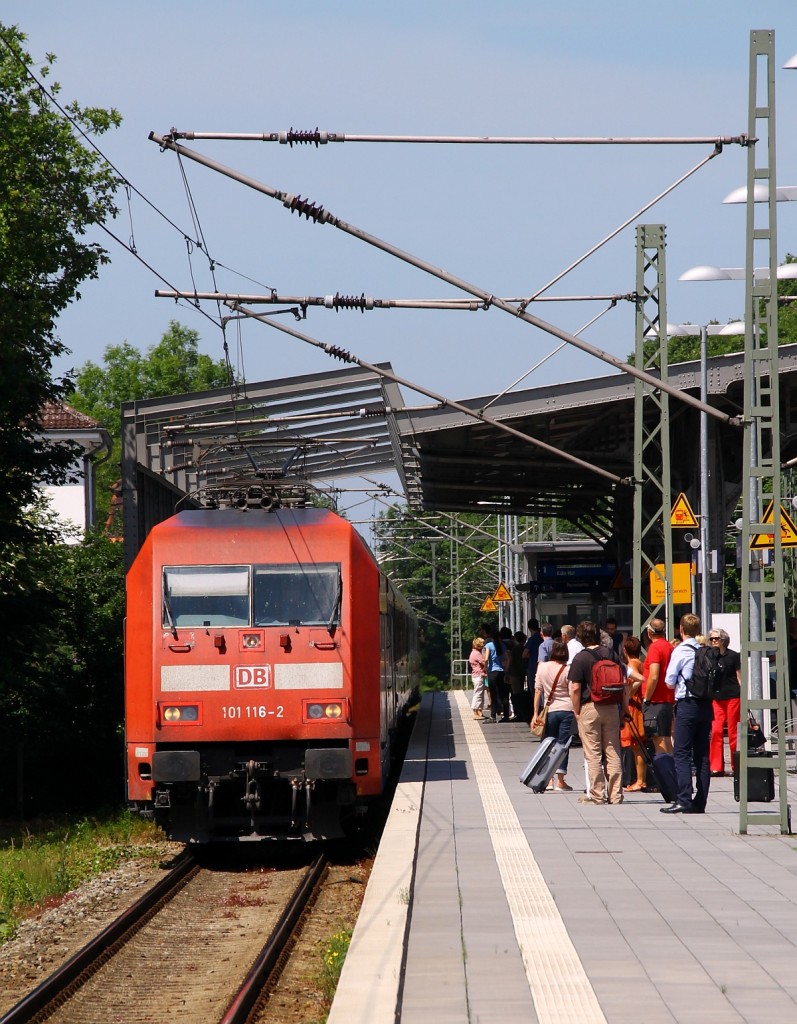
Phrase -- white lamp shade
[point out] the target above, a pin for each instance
(783, 193)
(708, 273)
(734, 327)
(791, 63)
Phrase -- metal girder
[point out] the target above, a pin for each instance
(652, 546)
(763, 618)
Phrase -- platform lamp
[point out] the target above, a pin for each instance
(706, 272)
(791, 63)
(703, 331)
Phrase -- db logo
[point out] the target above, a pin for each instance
(249, 676)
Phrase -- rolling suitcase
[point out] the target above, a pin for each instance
(538, 772)
(661, 767)
(664, 773)
(760, 778)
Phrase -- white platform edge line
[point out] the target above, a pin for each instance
(368, 988)
(560, 987)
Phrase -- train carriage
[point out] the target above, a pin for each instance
(267, 663)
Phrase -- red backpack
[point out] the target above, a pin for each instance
(607, 682)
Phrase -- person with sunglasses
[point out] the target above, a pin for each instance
(727, 703)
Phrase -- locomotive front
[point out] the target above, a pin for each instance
(255, 690)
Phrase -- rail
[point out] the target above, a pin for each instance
(69, 977)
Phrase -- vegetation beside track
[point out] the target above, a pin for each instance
(41, 862)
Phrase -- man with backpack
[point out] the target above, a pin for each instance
(690, 675)
(600, 701)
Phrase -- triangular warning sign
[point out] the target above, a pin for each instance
(502, 594)
(682, 514)
(489, 606)
(788, 531)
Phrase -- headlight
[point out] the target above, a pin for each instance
(316, 712)
(180, 713)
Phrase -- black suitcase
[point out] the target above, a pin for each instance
(539, 771)
(664, 773)
(661, 767)
(760, 779)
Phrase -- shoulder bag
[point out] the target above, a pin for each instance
(538, 725)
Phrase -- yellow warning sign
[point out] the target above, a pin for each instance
(489, 606)
(788, 531)
(682, 514)
(502, 594)
(681, 583)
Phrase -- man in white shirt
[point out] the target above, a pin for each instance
(573, 645)
(693, 719)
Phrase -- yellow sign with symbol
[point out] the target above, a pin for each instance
(682, 514)
(681, 583)
(788, 531)
(502, 594)
(489, 606)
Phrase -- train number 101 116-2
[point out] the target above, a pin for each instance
(231, 711)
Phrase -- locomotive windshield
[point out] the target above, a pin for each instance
(205, 595)
(297, 595)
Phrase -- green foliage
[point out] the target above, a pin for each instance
(39, 867)
(173, 366)
(685, 348)
(52, 190)
(332, 958)
(61, 677)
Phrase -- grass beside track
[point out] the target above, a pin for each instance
(42, 861)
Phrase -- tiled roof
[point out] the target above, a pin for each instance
(57, 416)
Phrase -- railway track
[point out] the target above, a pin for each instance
(191, 949)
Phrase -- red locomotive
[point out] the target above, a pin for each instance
(268, 661)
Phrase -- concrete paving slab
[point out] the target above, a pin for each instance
(661, 919)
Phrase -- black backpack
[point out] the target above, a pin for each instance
(706, 677)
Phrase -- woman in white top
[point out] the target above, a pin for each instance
(551, 688)
(478, 675)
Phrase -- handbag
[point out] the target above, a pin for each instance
(538, 724)
(755, 737)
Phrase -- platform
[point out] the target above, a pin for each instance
(491, 903)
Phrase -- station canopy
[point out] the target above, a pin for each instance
(296, 433)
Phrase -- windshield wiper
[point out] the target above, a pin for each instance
(169, 617)
(336, 607)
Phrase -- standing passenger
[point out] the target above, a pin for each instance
(552, 675)
(692, 725)
(493, 657)
(478, 675)
(632, 648)
(530, 651)
(598, 724)
(657, 697)
(544, 652)
(516, 678)
(727, 703)
(573, 645)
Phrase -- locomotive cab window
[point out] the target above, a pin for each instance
(205, 595)
(297, 595)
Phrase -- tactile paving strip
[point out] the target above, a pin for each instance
(560, 988)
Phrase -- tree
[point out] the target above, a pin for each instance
(684, 348)
(61, 678)
(53, 189)
(173, 366)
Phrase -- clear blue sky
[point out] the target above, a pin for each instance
(505, 218)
